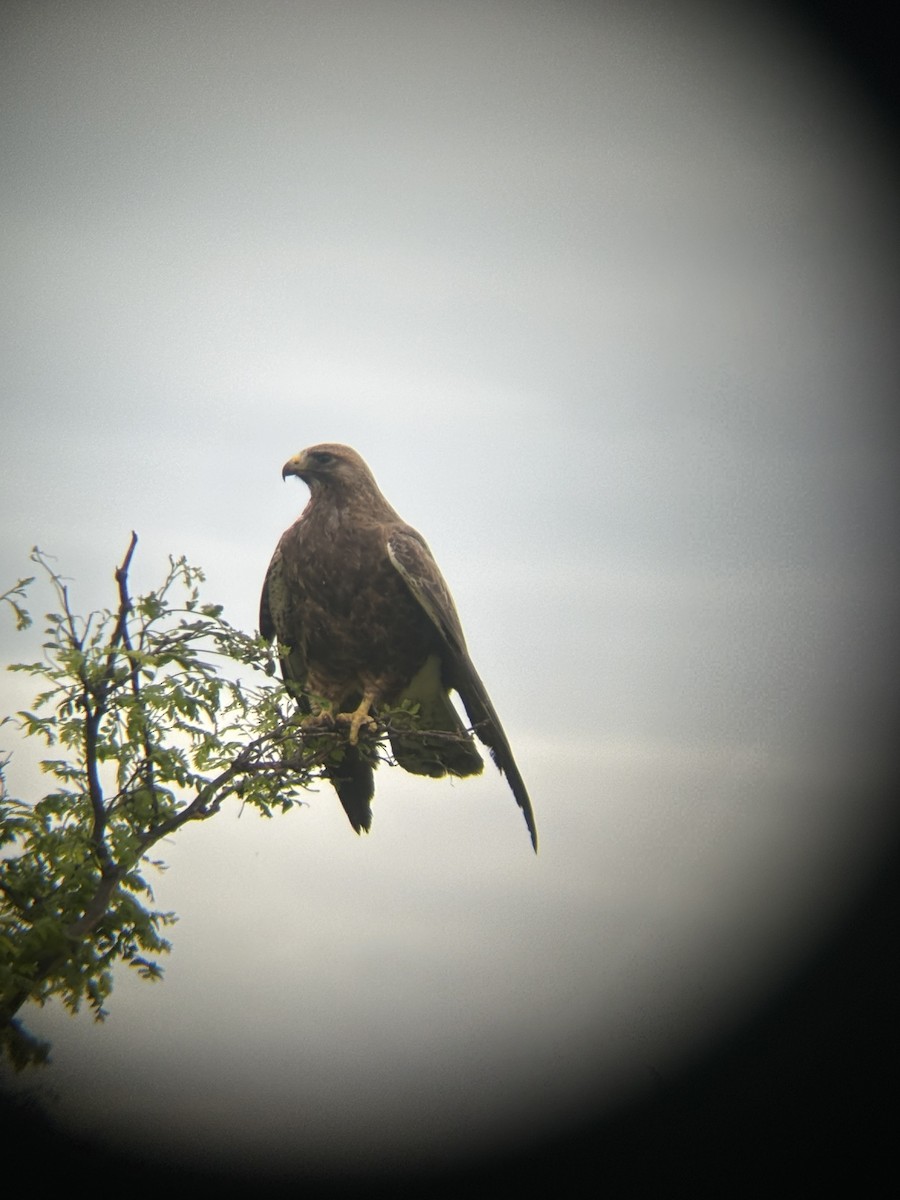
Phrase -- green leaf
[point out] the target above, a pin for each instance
(159, 711)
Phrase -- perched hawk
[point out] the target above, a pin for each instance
(366, 619)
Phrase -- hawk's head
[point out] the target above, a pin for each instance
(332, 469)
(327, 461)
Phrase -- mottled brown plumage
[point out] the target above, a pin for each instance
(364, 617)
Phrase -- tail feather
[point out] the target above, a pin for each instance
(354, 781)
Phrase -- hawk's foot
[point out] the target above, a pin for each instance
(358, 718)
(322, 720)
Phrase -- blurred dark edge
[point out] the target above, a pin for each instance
(804, 1094)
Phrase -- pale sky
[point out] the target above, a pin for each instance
(605, 297)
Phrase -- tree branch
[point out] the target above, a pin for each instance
(185, 738)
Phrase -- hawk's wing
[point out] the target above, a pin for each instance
(409, 553)
(280, 618)
(266, 622)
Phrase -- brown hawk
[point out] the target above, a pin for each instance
(365, 619)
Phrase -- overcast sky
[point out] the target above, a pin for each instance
(604, 295)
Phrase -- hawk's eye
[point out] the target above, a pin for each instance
(323, 458)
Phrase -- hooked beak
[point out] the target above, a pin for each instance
(294, 466)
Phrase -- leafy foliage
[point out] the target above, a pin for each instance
(153, 713)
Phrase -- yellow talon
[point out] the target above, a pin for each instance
(359, 717)
(319, 719)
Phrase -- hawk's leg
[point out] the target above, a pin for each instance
(360, 716)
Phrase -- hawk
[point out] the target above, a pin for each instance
(363, 619)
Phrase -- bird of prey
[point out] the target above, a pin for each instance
(363, 619)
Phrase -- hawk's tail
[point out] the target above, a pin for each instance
(354, 781)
